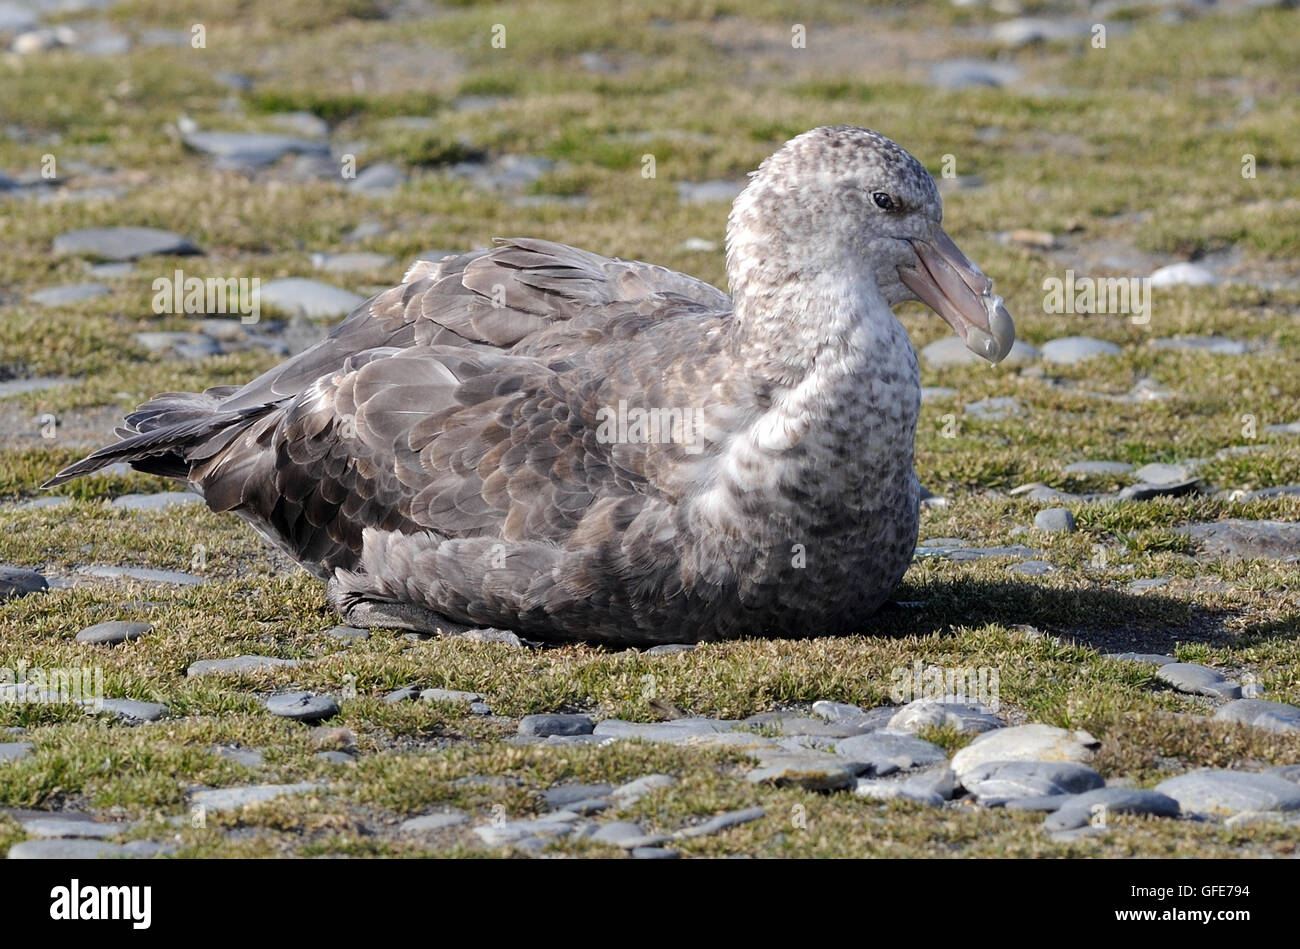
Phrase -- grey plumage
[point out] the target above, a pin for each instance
(444, 456)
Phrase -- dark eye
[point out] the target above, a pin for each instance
(884, 201)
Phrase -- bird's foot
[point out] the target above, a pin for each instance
(361, 613)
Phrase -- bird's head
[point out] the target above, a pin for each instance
(847, 198)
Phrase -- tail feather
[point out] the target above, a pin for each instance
(159, 436)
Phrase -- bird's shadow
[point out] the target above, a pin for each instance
(1108, 620)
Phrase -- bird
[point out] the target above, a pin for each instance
(586, 449)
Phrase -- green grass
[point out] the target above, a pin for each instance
(1139, 145)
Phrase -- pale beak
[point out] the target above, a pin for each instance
(948, 283)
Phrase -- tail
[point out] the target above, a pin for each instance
(167, 434)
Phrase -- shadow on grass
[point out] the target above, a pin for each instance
(1108, 620)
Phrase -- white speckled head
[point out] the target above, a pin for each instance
(850, 202)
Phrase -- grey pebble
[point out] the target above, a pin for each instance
(336, 757)
(408, 694)
(563, 795)
(640, 787)
(450, 695)
(1161, 473)
(715, 825)
(427, 823)
(230, 799)
(997, 782)
(1271, 716)
(664, 649)
(542, 726)
(951, 351)
(1110, 468)
(154, 502)
(302, 706)
(1070, 350)
(130, 710)
(1055, 520)
(1235, 537)
(654, 853)
(16, 582)
(310, 298)
(248, 757)
(812, 771)
(54, 827)
(348, 633)
(1077, 811)
(15, 750)
(1198, 680)
(144, 574)
(121, 243)
(113, 632)
(627, 835)
(65, 849)
(965, 718)
(1144, 491)
(69, 293)
(1213, 792)
(884, 753)
(678, 730)
(239, 664)
(1153, 658)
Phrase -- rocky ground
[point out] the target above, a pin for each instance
(1109, 549)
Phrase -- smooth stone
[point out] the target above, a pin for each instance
(1220, 793)
(1149, 583)
(348, 633)
(122, 243)
(15, 750)
(1183, 273)
(937, 393)
(450, 695)
(251, 150)
(1288, 772)
(542, 726)
(154, 502)
(665, 649)
(131, 710)
(301, 123)
(427, 823)
(310, 298)
(112, 632)
(1047, 803)
(143, 574)
(677, 730)
(811, 771)
(715, 825)
(626, 835)
(653, 853)
(635, 790)
(53, 828)
(65, 849)
(963, 717)
(1069, 350)
(1032, 568)
(885, 753)
(563, 795)
(356, 262)
(1271, 716)
(16, 582)
(239, 664)
(1215, 345)
(408, 694)
(967, 73)
(1144, 491)
(997, 782)
(951, 351)
(302, 706)
(21, 386)
(379, 177)
(995, 408)
(932, 786)
(1198, 680)
(1098, 468)
(1288, 428)
(1161, 473)
(70, 293)
(703, 192)
(482, 708)
(1036, 742)
(861, 720)
(1235, 537)
(1054, 520)
(1150, 657)
(977, 553)
(1022, 31)
(187, 345)
(1077, 811)
(1278, 491)
(248, 757)
(232, 799)
(514, 831)
(335, 757)
(506, 173)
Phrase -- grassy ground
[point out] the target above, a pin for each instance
(1136, 147)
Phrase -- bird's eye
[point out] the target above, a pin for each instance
(884, 201)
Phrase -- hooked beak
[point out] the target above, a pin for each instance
(948, 283)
